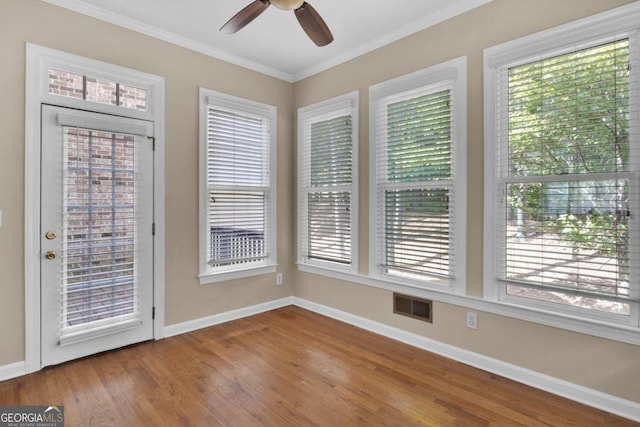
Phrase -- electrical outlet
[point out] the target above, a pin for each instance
(279, 279)
(472, 320)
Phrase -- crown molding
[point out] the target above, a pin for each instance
(167, 36)
(437, 17)
(131, 24)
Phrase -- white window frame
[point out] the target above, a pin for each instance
(605, 27)
(209, 274)
(38, 62)
(453, 75)
(343, 105)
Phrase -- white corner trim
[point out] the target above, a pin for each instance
(13, 370)
(584, 395)
(216, 319)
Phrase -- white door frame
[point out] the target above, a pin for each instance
(39, 60)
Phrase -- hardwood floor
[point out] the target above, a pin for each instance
(287, 367)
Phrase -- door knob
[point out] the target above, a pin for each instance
(50, 255)
(50, 235)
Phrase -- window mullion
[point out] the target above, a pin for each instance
(416, 185)
(568, 178)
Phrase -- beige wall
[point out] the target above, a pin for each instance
(555, 352)
(593, 362)
(184, 71)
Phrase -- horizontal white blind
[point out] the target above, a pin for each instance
(238, 187)
(415, 184)
(331, 152)
(327, 179)
(99, 284)
(568, 177)
(329, 226)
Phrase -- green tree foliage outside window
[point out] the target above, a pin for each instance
(417, 208)
(568, 119)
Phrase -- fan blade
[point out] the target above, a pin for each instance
(313, 25)
(245, 16)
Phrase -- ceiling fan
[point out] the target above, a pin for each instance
(309, 19)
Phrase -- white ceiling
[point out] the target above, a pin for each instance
(274, 43)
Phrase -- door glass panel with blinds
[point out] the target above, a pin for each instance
(415, 184)
(238, 189)
(326, 174)
(97, 186)
(568, 179)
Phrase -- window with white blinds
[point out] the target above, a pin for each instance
(327, 182)
(418, 126)
(238, 201)
(99, 269)
(567, 177)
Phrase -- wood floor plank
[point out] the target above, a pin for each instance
(288, 367)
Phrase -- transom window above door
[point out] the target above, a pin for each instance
(94, 89)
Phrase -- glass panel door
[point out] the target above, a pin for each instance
(97, 200)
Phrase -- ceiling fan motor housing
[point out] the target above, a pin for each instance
(310, 21)
(287, 4)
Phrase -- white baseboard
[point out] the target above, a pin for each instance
(12, 370)
(587, 396)
(216, 319)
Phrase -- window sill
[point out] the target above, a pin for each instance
(321, 266)
(599, 328)
(206, 279)
(615, 332)
(378, 282)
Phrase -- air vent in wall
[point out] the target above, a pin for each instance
(413, 307)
